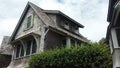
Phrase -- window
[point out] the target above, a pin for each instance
(34, 46)
(64, 41)
(118, 36)
(64, 24)
(17, 51)
(28, 47)
(28, 22)
(73, 42)
(74, 29)
(31, 47)
(22, 51)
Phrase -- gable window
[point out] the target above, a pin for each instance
(28, 22)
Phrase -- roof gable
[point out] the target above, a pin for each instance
(45, 19)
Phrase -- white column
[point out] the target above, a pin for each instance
(76, 43)
(68, 42)
(116, 58)
(37, 40)
(111, 45)
(41, 48)
(116, 49)
(24, 46)
(114, 38)
(14, 52)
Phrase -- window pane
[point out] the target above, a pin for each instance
(28, 47)
(118, 36)
(72, 42)
(64, 41)
(34, 46)
(22, 51)
(17, 51)
(28, 21)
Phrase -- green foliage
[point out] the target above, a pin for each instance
(102, 41)
(86, 56)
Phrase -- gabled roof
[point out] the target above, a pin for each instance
(42, 15)
(46, 20)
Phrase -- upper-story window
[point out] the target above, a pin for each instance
(64, 24)
(28, 23)
(74, 29)
(68, 25)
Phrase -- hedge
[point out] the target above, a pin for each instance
(85, 56)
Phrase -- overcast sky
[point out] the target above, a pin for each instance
(90, 13)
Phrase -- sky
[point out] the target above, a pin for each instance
(90, 13)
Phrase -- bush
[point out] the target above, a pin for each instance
(85, 56)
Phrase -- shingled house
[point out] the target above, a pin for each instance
(113, 32)
(5, 52)
(39, 30)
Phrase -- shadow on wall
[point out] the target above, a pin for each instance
(4, 60)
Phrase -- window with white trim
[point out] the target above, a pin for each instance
(29, 48)
(19, 51)
(28, 22)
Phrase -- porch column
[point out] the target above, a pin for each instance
(37, 40)
(24, 46)
(111, 44)
(114, 38)
(116, 49)
(68, 42)
(42, 46)
(13, 54)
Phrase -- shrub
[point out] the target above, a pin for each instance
(86, 56)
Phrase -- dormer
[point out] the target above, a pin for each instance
(63, 21)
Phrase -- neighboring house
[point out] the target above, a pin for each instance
(113, 32)
(39, 30)
(5, 52)
(5, 47)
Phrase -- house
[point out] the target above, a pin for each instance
(113, 31)
(5, 52)
(39, 30)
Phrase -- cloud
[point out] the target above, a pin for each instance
(7, 26)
